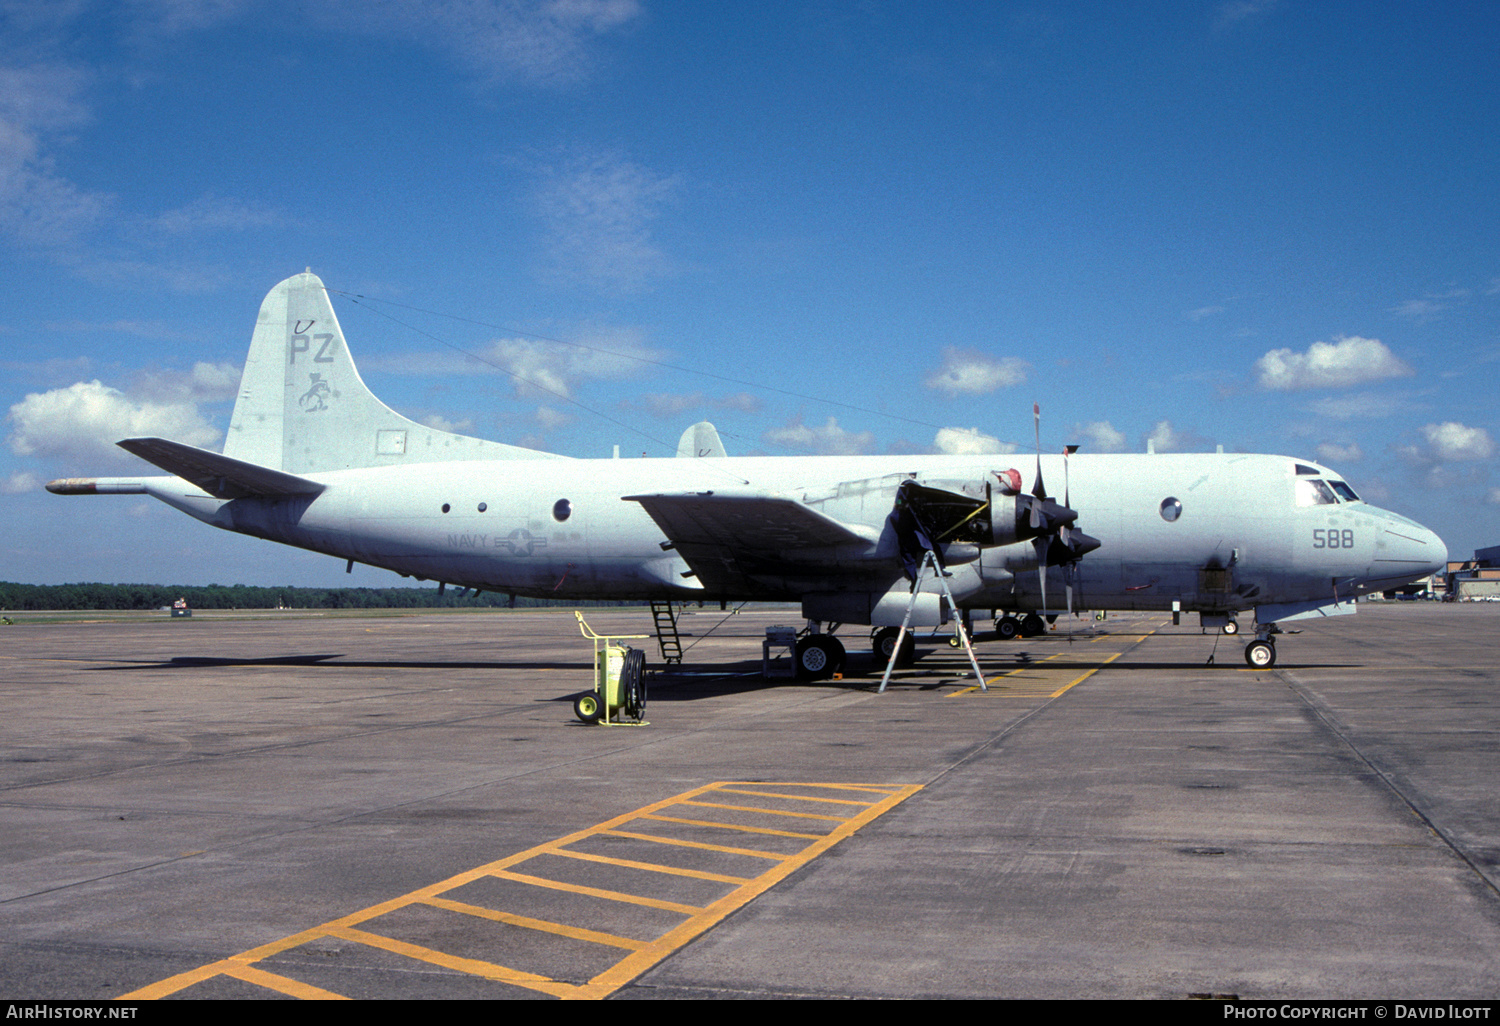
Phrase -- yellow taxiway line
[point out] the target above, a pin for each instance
(848, 807)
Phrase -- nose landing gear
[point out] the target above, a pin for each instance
(1260, 654)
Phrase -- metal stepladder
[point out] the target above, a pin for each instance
(929, 560)
(666, 631)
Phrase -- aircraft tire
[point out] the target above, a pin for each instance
(586, 707)
(885, 639)
(633, 683)
(1007, 627)
(819, 656)
(1032, 626)
(1260, 655)
(1231, 628)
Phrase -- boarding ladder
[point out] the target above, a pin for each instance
(929, 560)
(666, 631)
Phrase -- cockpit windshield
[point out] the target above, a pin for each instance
(1313, 492)
(1345, 492)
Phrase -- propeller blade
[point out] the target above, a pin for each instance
(1067, 492)
(1038, 489)
(1041, 545)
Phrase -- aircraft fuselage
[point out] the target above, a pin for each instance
(556, 528)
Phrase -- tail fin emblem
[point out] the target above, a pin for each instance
(313, 400)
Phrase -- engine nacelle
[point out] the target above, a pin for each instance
(876, 608)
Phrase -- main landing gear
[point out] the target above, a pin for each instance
(1029, 626)
(883, 641)
(819, 656)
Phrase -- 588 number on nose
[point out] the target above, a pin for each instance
(1333, 538)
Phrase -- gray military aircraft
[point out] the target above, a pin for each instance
(313, 459)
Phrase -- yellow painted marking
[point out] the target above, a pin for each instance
(1034, 679)
(544, 925)
(766, 812)
(1086, 676)
(641, 954)
(794, 797)
(472, 966)
(654, 867)
(282, 984)
(601, 892)
(726, 849)
(732, 826)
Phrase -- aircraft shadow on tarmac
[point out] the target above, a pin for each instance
(322, 661)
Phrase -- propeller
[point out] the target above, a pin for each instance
(1056, 540)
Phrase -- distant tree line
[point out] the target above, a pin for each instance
(30, 597)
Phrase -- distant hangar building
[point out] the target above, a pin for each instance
(1477, 579)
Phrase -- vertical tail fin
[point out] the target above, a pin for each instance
(303, 407)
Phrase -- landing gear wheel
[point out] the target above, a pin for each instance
(1231, 628)
(586, 707)
(1032, 625)
(884, 640)
(1007, 627)
(819, 656)
(1260, 654)
(633, 683)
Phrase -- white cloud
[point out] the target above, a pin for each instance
(970, 372)
(1348, 361)
(598, 210)
(209, 213)
(1100, 436)
(153, 19)
(954, 441)
(20, 482)
(671, 404)
(828, 440)
(37, 206)
(1202, 312)
(206, 382)
(1362, 404)
(1232, 12)
(1165, 438)
(1451, 440)
(558, 368)
(551, 419)
(84, 420)
(543, 41)
(440, 423)
(1332, 452)
(1494, 496)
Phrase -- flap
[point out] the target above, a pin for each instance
(219, 476)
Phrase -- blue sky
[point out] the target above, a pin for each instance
(1264, 224)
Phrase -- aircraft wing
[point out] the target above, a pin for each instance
(219, 476)
(729, 540)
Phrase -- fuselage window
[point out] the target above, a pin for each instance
(1171, 509)
(562, 510)
(1345, 492)
(1313, 492)
(483, 506)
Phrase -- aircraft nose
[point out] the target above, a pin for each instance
(1410, 552)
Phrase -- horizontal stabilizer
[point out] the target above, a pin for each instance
(219, 476)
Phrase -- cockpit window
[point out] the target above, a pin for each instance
(1312, 492)
(1303, 468)
(1345, 492)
